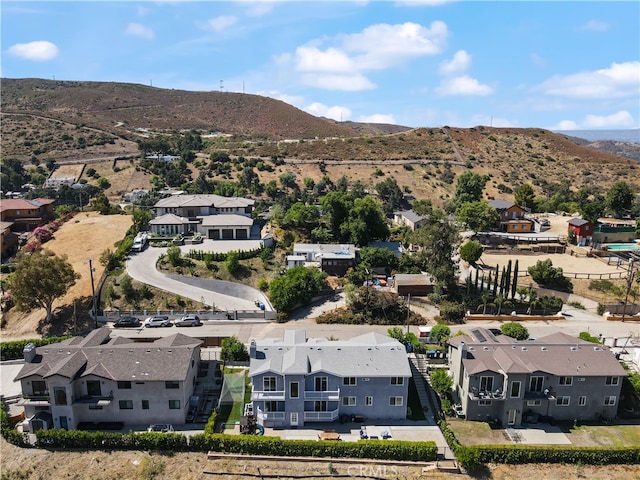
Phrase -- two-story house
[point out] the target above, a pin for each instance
(582, 229)
(298, 380)
(26, 215)
(511, 217)
(99, 378)
(214, 216)
(410, 219)
(497, 378)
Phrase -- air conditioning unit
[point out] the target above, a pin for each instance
(365, 379)
(581, 379)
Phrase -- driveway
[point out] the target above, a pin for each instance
(221, 295)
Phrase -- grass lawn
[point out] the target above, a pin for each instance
(605, 435)
(475, 433)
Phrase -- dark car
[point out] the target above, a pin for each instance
(126, 322)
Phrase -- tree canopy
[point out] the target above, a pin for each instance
(233, 350)
(478, 215)
(298, 285)
(620, 199)
(469, 187)
(39, 279)
(515, 330)
(471, 251)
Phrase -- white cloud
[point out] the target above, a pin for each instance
(348, 83)
(337, 112)
(490, 121)
(312, 59)
(220, 23)
(595, 26)
(139, 30)
(142, 11)
(458, 64)
(566, 125)
(258, 9)
(620, 80)
(462, 86)
(378, 118)
(295, 100)
(537, 60)
(621, 119)
(39, 50)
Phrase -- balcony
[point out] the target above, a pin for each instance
(273, 416)
(98, 400)
(40, 400)
(330, 395)
(268, 395)
(321, 416)
(475, 395)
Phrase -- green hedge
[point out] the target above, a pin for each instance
(379, 449)
(514, 454)
(83, 440)
(9, 433)
(221, 257)
(13, 350)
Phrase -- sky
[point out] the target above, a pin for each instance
(422, 63)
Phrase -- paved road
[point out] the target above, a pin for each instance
(142, 267)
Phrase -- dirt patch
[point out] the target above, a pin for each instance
(42, 464)
(82, 238)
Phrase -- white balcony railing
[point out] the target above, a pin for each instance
(321, 416)
(267, 395)
(333, 395)
(274, 416)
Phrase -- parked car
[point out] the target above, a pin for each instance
(188, 321)
(160, 427)
(158, 321)
(126, 322)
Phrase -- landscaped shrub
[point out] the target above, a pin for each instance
(84, 440)
(13, 350)
(9, 433)
(514, 454)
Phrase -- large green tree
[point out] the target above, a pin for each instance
(592, 211)
(525, 196)
(299, 215)
(469, 187)
(390, 194)
(335, 211)
(620, 198)
(297, 286)
(233, 350)
(471, 251)
(365, 223)
(40, 278)
(478, 216)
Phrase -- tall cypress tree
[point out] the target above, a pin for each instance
(514, 285)
(507, 281)
(495, 281)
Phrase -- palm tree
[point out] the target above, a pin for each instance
(485, 298)
(533, 299)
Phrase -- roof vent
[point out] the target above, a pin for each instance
(486, 349)
(574, 349)
(524, 349)
(544, 349)
(597, 349)
(471, 348)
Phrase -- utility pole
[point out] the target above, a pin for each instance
(408, 309)
(93, 294)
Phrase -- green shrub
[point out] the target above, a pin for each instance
(514, 454)
(13, 350)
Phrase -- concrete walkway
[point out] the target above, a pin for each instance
(142, 267)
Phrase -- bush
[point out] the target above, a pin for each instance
(13, 350)
(471, 251)
(514, 454)
(545, 274)
(515, 330)
(588, 337)
(451, 312)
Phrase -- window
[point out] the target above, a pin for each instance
(145, 404)
(484, 403)
(271, 406)
(172, 384)
(174, 404)
(563, 401)
(610, 400)
(515, 389)
(368, 401)
(321, 384)
(320, 406)
(397, 380)
(533, 403)
(95, 407)
(348, 401)
(125, 385)
(293, 389)
(612, 380)
(93, 388)
(269, 384)
(349, 381)
(395, 401)
(39, 387)
(582, 401)
(565, 381)
(535, 384)
(126, 404)
(486, 384)
(60, 395)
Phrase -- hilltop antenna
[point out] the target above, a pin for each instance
(243, 86)
(151, 82)
(221, 85)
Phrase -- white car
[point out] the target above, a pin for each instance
(160, 427)
(158, 321)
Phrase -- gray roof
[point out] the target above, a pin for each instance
(577, 222)
(216, 201)
(321, 250)
(223, 219)
(116, 358)
(368, 355)
(169, 219)
(501, 204)
(412, 279)
(557, 354)
(412, 216)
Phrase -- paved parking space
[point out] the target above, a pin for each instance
(542, 435)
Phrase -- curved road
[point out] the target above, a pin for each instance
(141, 266)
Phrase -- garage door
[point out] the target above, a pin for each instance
(227, 234)
(241, 234)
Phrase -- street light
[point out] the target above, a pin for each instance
(93, 294)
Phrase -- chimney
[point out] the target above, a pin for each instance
(29, 352)
(252, 349)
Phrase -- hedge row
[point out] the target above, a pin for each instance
(384, 450)
(13, 350)
(220, 256)
(9, 433)
(83, 440)
(514, 454)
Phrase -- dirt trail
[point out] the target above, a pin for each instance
(82, 238)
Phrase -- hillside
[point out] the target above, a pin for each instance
(94, 121)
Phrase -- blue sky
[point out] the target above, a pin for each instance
(556, 65)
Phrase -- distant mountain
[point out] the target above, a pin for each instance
(632, 136)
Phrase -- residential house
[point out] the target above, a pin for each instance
(613, 230)
(412, 284)
(500, 379)
(410, 219)
(334, 259)
(214, 216)
(134, 195)
(26, 215)
(99, 378)
(9, 240)
(298, 380)
(582, 229)
(512, 218)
